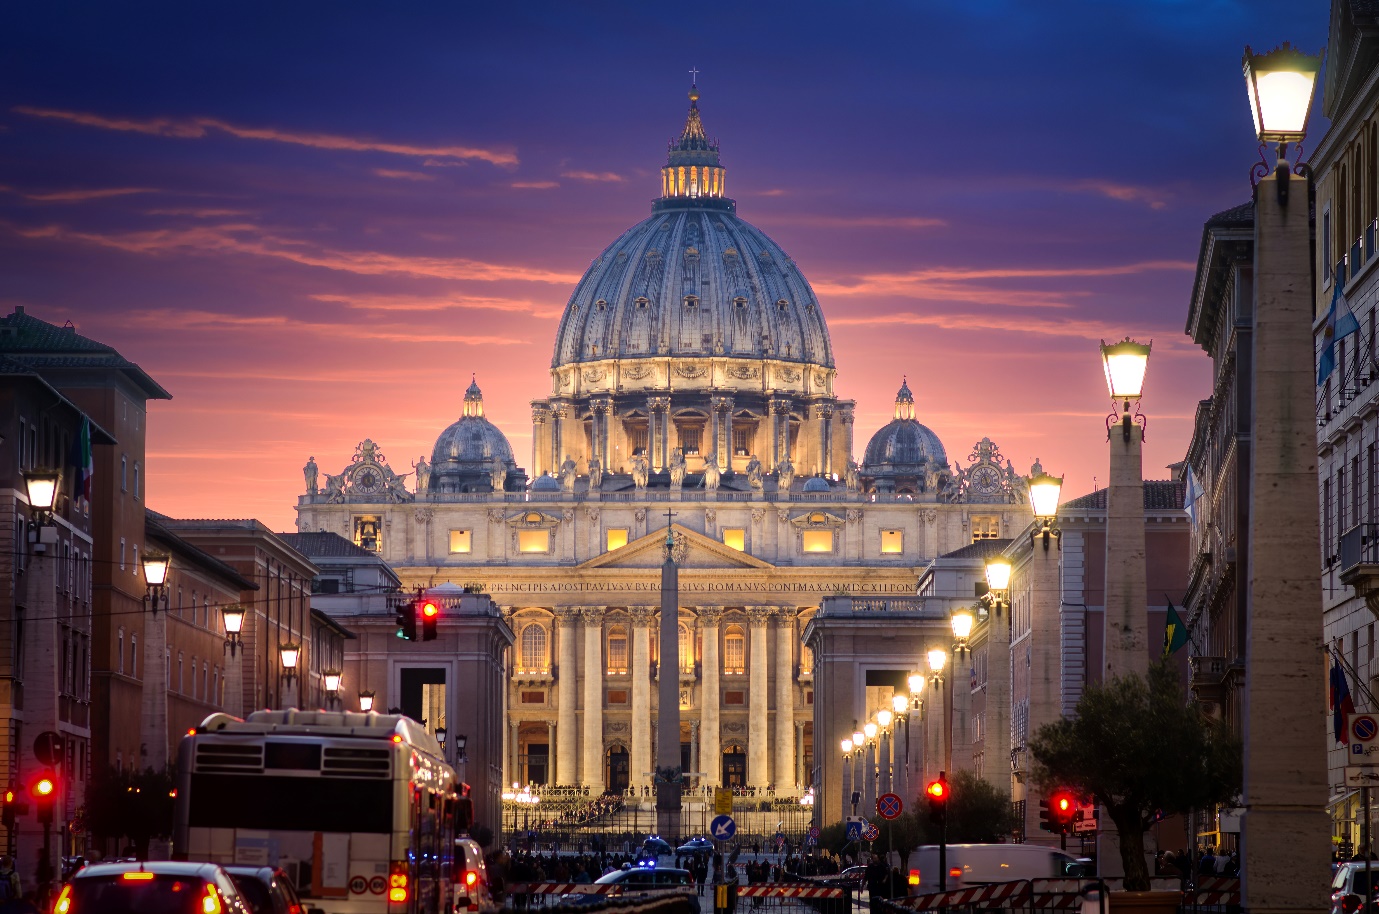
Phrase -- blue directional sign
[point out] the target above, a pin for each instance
(854, 831)
(723, 828)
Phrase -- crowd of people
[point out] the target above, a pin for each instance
(1211, 861)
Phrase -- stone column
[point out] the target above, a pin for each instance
(869, 780)
(593, 698)
(651, 449)
(558, 414)
(540, 441)
(715, 444)
(694, 746)
(1284, 830)
(785, 699)
(996, 757)
(710, 697)
(1044, 667)
(960, 679)
(514, 758)
(550, 751)
(802, 777)
(1125, 643)
(826, 436)
(758, 734)
(566, 675)
(641, 760)
(935, 730)
(154, 719)
(728, 432)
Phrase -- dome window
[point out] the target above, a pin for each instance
(691, 301)
(740, 303)
(782, 305)
(641, 304)
(601, 305)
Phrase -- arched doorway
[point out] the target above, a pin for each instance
(618, 774)
(734, 766)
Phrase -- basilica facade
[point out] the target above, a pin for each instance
(692, 386)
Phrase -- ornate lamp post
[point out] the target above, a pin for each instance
(156, 566)
(233, 617)
(1285, 828)
(846, 746)
(961, 621)
(332, 683)
(366, 697)
(289, 653)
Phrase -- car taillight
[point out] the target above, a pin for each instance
(470, 877)
(914, 877)
(64, 901)
(211, 903)
(1350, 904)
(397, 881)
(955, 872)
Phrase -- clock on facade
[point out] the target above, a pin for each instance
(986, 479)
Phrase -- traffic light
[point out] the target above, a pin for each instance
(937, 793)
(430, 615)
(1064, 808)
(1045, 817)
(44, 792)
(407, 621)
(8, 808)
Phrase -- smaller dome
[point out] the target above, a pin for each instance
(903, 442)
(816, 484)
(462, 460)
(545, 483)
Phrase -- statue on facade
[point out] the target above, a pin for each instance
(677, 468)
(568, 471)
(712, 475)
(641, 471)
(754, 473)
(397, 487)
(335, 488)
(423, 475)
(498, 473)
(595, 473)
(785, 474)
(310, 472)
(850, 475)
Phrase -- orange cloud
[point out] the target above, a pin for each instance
(534, 185)
(1128, 193)
(247, 239)
(1064, 327)
(440, 303)
(932, 282)
(198, 127)
(902, 222)
(179, 320)
(606, 176)
(78, 196)
(403, 175)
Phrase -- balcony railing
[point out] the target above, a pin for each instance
(1359, 546)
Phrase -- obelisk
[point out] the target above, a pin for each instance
(669, 773)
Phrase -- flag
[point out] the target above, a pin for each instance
(81, 460)
(1194, 492)
(1175, 632)
(1340, 323)
(1341, 702)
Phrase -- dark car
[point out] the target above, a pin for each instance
(151, 887)
(654, 847)
(266, 889)
(700, 845)
(1350, 886)
(850, 878)
(636, 879)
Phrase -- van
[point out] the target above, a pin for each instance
(471, 876)
(979, 864)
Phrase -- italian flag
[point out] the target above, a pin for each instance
(81, 459)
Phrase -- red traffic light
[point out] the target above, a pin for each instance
(44, 787)
(937, 789)
(1064, 804)
(430, 610)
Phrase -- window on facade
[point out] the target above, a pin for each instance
(134, 656)
(616, 538)
(135, 564)
(806, 659)
(742, 439)
(533, 541)
(817, 541)
(215, 685)
(687, 649)
(892, 542)
(533, 656)
(124, 473)
(1327, 260)
(734, 651)
(122, 554)
(690, 438)
(985, 527)
(617, 651)
(136, 479)
(119, 644)
(461, 540)
(735, 538)
(181, 690)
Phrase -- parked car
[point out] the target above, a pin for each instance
(1350, 884)
(850, 878)
(977, 864)
(266, 889)
(151, 887)
(699, 845)
(635, 879)
(655, 847)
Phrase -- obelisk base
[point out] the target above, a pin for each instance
(668, 810)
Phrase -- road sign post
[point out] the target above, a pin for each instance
(722, 828)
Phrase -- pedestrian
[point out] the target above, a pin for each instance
(10, 891)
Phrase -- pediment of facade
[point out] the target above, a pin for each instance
(700, 553)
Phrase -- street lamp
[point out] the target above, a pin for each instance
(901, 704)
(289, 653)
(883, 719)
(1125, 363)
(1044, 494)
(41, 486)
(332, 678)
(916, 683)
(846, 746)
(156, 566)
(859, 741)
(869, 728)
(937, 658)
(1280, 85)
(962, 630)
(233, 616)
(366, 700)
(440, 737)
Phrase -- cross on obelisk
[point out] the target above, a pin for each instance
(694, 76)
(669, 773)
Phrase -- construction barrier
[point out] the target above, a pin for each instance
(1213, 891)
(785, 890)
(1058, 895)
(659, 902)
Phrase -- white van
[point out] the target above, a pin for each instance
(978, 864)
(471, 877)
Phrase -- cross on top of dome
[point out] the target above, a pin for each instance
(473, 399)
(904, 400)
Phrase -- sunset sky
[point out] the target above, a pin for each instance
(311, 222)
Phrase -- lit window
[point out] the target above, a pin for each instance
(985, 527)
(817, 541)
(533, 659)
(735, 538)
(617, 651)
(734, 651)
(617, 538)
(461, 540)
(806, 659)
(686, 649)
(533, 541)
(892, 542)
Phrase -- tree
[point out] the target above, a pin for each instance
(978, 811)
(137, 805)
(902, 834)
(1141, 752)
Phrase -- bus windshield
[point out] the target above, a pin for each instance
(272, 803)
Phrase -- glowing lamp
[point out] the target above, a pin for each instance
(366, 701)
(1044, 493)
(846, 746)
(1125, 363)
(962, 624)
(289, 653)
(332, 678)
(901, 703)
(883, 717)
(156, 566)
(937, 658)
(869, 729)
(42, 489)
(916, 682)
(858, 739)
(998, 574)
(234, 618)
(1280, 86)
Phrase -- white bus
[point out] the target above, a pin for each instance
(359, 809)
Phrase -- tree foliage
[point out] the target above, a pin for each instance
(902, 834)
(135, 806)
(978, 811)
(1140, 751)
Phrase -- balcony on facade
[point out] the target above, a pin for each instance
(1359, 562)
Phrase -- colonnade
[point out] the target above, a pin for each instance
(578, 743)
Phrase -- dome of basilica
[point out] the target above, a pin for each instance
(463, 458)
(903, 442)
(693, 280)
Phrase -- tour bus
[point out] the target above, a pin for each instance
(359, 809)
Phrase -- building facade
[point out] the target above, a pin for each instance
(692, 386)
